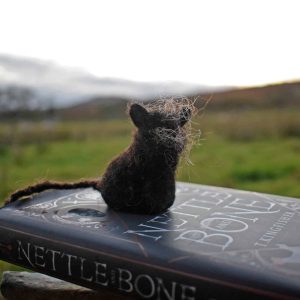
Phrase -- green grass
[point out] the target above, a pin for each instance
(245, 150)
(269, 165)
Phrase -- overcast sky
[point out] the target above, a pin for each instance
(207, 42)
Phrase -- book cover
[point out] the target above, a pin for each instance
(214, 243)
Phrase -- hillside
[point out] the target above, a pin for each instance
(96, 108)
(283, 95)
(276, 95)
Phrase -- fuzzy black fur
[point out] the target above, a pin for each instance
(142, 178)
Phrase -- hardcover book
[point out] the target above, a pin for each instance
(214, 243)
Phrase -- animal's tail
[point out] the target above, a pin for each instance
(47, 185)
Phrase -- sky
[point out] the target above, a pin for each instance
(239, 43)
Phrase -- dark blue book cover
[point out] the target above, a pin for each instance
(214, 243)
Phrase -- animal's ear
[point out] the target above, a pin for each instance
(138, 114)
(185, 115)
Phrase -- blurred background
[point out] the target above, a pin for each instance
(69, 68)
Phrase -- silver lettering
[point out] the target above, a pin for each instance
(162, 289)
(218, 240)
(89, 279)
(53, 252)
(185, 289)
(25, 253)
(69, 259)
(125, 283)
(102, 275)
(38, 256)
(137, 287)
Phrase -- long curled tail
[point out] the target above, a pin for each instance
(47, 185)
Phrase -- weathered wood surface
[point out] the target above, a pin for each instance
(36, 286)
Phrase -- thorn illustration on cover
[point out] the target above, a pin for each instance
(141, 179)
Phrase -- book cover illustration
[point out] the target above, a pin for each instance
(228, 238)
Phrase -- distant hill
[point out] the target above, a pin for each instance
(275, 95)
(96, 108)
(282, 95)
(73, 94)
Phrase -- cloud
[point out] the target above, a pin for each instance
(64, 86)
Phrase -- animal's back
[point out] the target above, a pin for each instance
(138, 183)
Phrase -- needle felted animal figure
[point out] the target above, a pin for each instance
(142, 178)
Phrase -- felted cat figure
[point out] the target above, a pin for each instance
(143, 176)
(141, 179)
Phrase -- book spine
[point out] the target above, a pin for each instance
(104, 271)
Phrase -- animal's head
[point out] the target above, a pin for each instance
(163, 124)
(145, 120)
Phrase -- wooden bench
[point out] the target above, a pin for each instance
(36, 286)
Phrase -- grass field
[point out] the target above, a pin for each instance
(252, 150)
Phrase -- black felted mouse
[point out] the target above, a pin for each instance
(142, 178)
